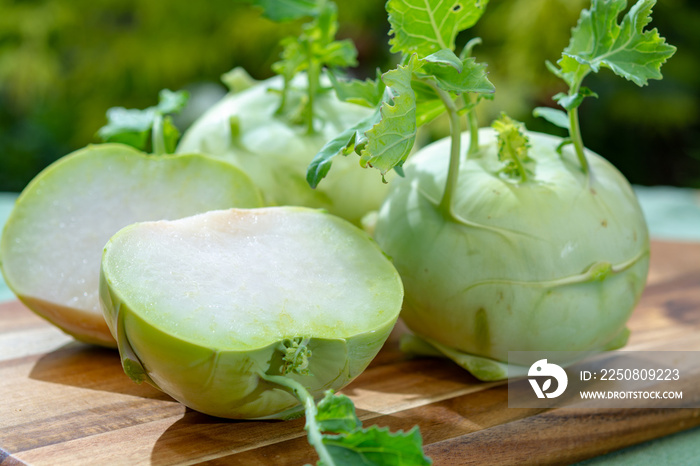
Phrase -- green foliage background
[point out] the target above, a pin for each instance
(64, 62)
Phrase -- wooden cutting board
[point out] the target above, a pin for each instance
(64, 402)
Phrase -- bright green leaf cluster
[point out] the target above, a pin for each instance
(430, 77)
(598, 40)
(135, 127)
(626, 48)
(314, 49)
(512, 147)
(316, 44)
(295, 357)
(411, 98)
(390, 141)
(352, 139)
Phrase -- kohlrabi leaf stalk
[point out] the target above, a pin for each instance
(455, 151)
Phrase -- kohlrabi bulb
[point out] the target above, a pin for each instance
(246, 129)
(553, 263)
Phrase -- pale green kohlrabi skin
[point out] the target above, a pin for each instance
(52, 242)
(205, 307)
(556, 263)
(244, 129)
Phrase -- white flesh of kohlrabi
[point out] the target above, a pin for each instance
(555, 263)
(276, 154)
(202, 305)
(52, 243)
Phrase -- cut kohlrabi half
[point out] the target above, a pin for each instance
(212, 308)
(52, 242)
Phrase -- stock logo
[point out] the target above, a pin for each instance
(541, 369)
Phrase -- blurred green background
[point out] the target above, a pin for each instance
(63, 63)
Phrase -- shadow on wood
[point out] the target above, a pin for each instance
(92, 367)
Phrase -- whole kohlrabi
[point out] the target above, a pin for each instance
(552, 262)
(273, 128)
(526, 242)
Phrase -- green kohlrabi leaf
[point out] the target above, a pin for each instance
(445, 57)
(127, 126)
(471, 77)
(339, 53)
(367, 93)
(238, 80)
(336, 414)
(351, 139)
(626, 48)
(428, 103)
(426, 26)
(384, 139)
(133, 127)
(390, 141)
(552, 115)
(338, 437)
(377, 446)
(171, 102)
(450, 74)
(570, 102)
(411, 98)
(286, 10)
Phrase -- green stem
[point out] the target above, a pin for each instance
(158, 135)
(455, 136)
(312, 88)
(283, 98)
(312, 428)
(473, 123)
(575, 129)
(470, 101)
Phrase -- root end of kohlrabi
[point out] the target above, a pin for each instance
(484, 369)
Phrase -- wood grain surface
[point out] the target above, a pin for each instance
(67, 403)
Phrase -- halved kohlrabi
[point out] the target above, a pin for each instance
(53, 240)
(207, 308)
